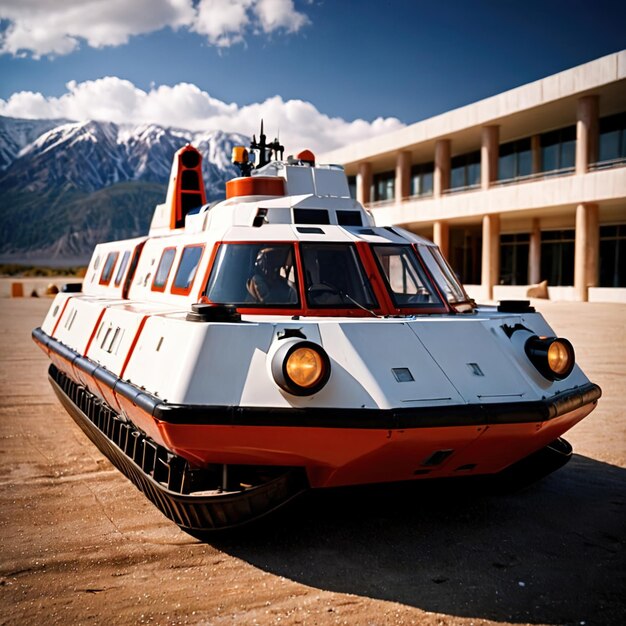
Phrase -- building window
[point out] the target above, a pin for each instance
(465, 253)
(558, 150)
(465, 170)
(515, 160)
(557, 257)
(612, 143)
(422, 179)
(384, 186)
(613, 256)
(514, 259)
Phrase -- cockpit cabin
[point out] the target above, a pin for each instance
(308, 250)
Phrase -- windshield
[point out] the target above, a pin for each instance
(334, 277)
(406, 279)
(261, 274)
(443, 274)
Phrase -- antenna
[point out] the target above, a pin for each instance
(266, 150)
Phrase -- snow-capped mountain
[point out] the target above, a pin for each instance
(15, 134)
(93, 155)
(54, 173)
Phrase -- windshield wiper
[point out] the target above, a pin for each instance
(343, 294)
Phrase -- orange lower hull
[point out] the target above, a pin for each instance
(335, 457)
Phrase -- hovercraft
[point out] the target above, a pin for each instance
(247, 350)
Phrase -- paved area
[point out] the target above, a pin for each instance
(80, 545)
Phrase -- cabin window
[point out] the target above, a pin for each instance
(349, 218)
(107, 270)
(406, 280)
(311, 216)
(334, 277)
(187, 268)
(123, 264)
(254, 275)
(163, 271)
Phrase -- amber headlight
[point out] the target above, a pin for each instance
(552, 356)
(301, 367)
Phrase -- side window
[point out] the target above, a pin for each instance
(254, 275)
(122, 269)
(163, 271)
(405, 277)
(107, 270)
(187, 268)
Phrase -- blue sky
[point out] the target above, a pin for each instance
(395, 61)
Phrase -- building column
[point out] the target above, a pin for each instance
(489, 153)
(364, 183)
(403, 176)
(490, 269)
(441, 179)
(535, 151)
(593, 239)
(586, 250)
(586, 133)
(441, 236)
(534, 253)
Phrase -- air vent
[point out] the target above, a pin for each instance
(309, 230)
(437, 457)
(475, 369)
(402, 374)
(466, 468)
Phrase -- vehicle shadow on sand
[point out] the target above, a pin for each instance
(551, 553)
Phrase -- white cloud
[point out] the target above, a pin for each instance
(185, 105)
(49, 27)
(222, 21)
(276, 14)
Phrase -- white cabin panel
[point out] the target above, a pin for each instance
(383, 363)
(231, 359)
(472, 356)
(55, 312)
(109, 268)
(79, 321)
(166, 349)
(331, 182)
(114, 338)
(299, 181)
(514, 346)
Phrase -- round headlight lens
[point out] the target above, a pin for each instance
(304, 367)
(301, 368)
(552, 356)
(558, 357)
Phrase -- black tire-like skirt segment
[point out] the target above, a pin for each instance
(165, 478)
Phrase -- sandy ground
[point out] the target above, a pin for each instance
(80, 545)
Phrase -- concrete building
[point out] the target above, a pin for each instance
(525, 186)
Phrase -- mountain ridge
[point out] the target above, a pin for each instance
(52, 172)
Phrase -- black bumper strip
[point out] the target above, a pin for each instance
(385, 419)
